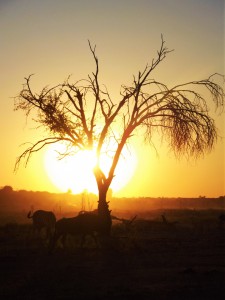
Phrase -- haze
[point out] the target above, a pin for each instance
(50, 38)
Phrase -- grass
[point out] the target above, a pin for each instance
(148, 261)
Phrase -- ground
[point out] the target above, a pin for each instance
(150, 260)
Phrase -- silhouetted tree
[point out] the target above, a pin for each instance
(83, 115)
(7, 189)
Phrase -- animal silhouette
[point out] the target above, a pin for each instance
(43, 220)
(82, 225)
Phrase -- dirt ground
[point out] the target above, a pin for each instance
(151, 260)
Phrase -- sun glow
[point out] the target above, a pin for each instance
(75, 172)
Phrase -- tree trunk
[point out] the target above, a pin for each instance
(104, 212)
(103, 207)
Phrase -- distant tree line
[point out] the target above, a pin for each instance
(62, 203)
(22, 200)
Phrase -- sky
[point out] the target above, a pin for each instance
(49, 38)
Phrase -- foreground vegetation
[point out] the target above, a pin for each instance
(182, 258)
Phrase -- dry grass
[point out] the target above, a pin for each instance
(149, 260)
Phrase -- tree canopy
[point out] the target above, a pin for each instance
(83, 114)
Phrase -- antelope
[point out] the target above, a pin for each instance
(43, 219)
(221, 219)
(82, 225)
(127, 223)
(82, 212)
(167, 223)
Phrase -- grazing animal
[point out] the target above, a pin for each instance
(127, 224)
(221, 220)
(82, 212)
(167, 223)
(84, 224)
(43, 219)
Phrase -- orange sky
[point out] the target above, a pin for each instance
(49, 38)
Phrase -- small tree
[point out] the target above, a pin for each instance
(83, 115)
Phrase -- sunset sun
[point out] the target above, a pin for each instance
(75, 172)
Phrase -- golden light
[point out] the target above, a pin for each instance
(75, 172)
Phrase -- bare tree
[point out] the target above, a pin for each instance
(83, 115)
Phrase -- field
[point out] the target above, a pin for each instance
(184, 259)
